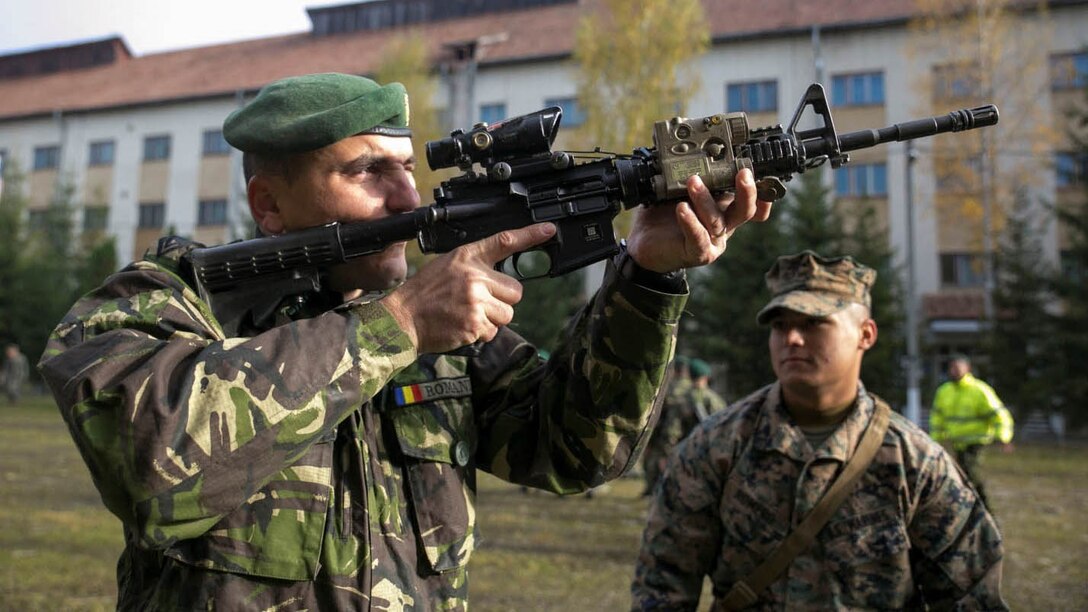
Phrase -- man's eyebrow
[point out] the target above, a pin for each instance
(366, 160)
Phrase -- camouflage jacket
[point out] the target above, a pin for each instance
(659, 444)
(681, 416)
(322, 463)
(914, 532)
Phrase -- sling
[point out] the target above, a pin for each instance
(745, 592)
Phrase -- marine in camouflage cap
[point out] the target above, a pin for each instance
(814, 285)
(911, 534)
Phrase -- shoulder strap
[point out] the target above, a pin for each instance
(745, 592)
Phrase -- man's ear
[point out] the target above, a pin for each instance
(263, 205)
(869, 333)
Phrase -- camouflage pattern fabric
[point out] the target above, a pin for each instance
(659, 445)
(811, 284)
(694, 407)
(913, 534)
(322, 463)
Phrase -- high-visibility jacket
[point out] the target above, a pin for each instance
(967, 412)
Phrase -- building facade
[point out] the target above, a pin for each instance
(138, 137)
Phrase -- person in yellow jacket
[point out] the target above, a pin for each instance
(968, 415)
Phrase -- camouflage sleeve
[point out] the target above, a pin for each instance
(683, 529)
(180, 425)
(956, 549)
(581, 418)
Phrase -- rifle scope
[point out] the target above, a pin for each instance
(514, 138)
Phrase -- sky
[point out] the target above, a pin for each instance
(149, 26)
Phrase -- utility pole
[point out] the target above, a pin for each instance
(985, 176)
(914, 374)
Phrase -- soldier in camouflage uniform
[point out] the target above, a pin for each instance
(657, 448)
(912, 533)
(327, 459)
(696, 404)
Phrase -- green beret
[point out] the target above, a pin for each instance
(819, 286)
(308, 112)
(699, 368)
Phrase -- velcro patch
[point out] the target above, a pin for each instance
(442, 388)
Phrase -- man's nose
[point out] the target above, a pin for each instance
(403, 196)
(794, 337)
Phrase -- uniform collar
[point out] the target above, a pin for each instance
(777, 431)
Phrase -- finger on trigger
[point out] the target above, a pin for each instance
(494, 249)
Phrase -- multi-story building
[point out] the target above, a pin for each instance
(139, 140)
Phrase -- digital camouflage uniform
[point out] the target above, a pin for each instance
(322, 463)
(913, 531)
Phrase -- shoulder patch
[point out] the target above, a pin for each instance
(442, 388)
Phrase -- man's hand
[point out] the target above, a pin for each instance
(667, 238)
(459, 297)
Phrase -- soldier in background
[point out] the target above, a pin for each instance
(908, 533)
(14, 373)
(327, 459)
(653, 457)
(967, 416)
(699, 402)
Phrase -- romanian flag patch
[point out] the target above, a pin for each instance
(432, 390)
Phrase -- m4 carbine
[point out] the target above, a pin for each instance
(513, 179)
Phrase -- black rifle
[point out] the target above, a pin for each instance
(513, 179)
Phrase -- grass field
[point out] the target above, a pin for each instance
(58, 546)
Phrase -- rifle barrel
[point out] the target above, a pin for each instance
(955, 121)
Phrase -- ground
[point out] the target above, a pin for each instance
(537, 551)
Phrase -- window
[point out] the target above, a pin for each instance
(962, 269)
(951, 81)
(1069, 71)
(214, 143)
(212, 212)
(754, 97)
(101, 153)
(156, 148)
(958, 174)
(36, 220)
(492, 113)
(865, 89)
(46, 158)
(1071, 267)
(152, 215)
(572, 113)
(861, 181)
(1071, 169)
(95, 218)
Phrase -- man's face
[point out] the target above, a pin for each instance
(957, 369)
(360, 178)
(814, 353)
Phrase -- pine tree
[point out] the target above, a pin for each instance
(12, 245)
(867, 242)
(720, 326)
(546, 305)
(727, 296)
(1070, 391)
(1021, 337)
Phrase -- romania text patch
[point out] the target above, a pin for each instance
(433, 390)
